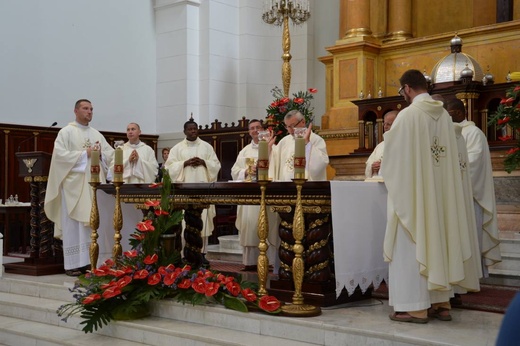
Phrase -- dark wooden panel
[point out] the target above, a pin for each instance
(26, 138)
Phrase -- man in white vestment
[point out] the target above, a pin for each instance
(68, 199)
(281, 162)
(373, 164)
(481, 173)
(194, 161)
(247, 215)
(427, 239)
(139, 161)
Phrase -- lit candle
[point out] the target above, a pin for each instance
(263, 160)
(118, 165)
(94, 166)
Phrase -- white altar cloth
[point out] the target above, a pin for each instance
(131, 216)
(358, 223)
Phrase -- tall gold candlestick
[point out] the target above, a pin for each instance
(94, 226)
(117, 250)
(263, 232)
(298, 308)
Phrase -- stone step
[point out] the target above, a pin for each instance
(16, 331)
(228, 249)
(28, 311)
(214, 252)
(502, 277)
(510, 262)
(229, 242)
(510, 242)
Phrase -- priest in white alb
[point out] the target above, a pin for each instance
(194, 161)
(373, 164)
(244, 169)
(139, 160)
(427, 236)
(68, 199)
(281, 161)
(481, 173)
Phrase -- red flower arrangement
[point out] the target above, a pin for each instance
(146, 273)
(282, 105)
(508, 116)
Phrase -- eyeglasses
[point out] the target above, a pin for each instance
(293, 126)
(401, 90)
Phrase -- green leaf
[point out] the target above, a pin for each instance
(234, 303)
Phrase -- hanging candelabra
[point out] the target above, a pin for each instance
(278, 12)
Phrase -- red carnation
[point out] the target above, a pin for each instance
(313, 91)
(505, 138)
(298, 100)
(269, 303)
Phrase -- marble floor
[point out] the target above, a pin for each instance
(359, 323)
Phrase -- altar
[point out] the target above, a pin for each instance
(348, 259)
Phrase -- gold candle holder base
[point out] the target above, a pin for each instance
(117, 250)
(298, 308)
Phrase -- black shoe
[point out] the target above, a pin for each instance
(78, 271)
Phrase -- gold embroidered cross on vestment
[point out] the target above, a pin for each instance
(437, 150)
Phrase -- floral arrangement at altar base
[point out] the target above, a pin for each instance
(122, 289)
(277, 110)
(508, 115)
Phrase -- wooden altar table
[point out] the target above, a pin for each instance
(319, 286)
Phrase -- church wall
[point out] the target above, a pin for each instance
(55, 52)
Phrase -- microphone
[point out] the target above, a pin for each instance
(28, 139)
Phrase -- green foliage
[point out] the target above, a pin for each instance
(281, 105)
(508, 116)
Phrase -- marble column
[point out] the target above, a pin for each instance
(399, 20)
(355, 18)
